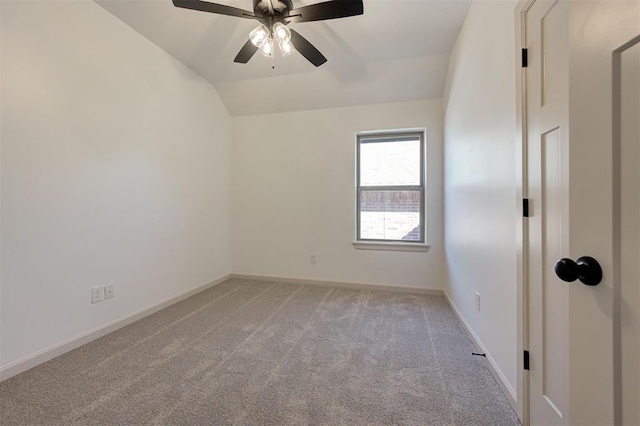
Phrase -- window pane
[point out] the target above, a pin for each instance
(390, 163)
(390, 215)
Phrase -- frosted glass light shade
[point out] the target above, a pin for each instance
(259, 35)
(286, 48)
(281, 32)
(267, 48)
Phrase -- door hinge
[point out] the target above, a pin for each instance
(525, 58)
(525, 207)
(526, 360)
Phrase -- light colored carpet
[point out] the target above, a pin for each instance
(260, 353)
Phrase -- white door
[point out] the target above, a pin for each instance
(582, 161)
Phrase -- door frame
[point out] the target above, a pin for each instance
(522, 224)
(617, 144)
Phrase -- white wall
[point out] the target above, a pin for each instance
(480, 179)
(115, 169)
(294, 194)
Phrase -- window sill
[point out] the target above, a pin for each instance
(378, 245)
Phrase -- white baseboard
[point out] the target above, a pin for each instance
(51, 352)
(341, 284)
(493, 367)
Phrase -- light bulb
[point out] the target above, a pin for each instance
(259, 35)
(267, 48)
(286, 48)
(281, 32)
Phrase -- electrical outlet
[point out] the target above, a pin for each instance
(108, 291)
(477, 301)
(313, 258)
(97, 294)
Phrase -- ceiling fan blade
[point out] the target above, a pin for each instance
(246, 53)
(327, 10)
(307, 49)
(205, 6)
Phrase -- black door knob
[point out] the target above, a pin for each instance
(586, 269)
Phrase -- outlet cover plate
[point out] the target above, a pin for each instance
(108, 291)
(97, 294)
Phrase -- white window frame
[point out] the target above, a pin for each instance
(393, 135)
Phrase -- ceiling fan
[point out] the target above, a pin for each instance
(274, 17)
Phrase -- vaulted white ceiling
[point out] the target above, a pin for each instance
(398, 50)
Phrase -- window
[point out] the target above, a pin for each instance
(390, 180)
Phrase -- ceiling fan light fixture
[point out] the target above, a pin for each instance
(286, 48)
(259, 35)
(281, 32)
(274, 16)
(267, 48)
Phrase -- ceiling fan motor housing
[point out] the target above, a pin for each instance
(280, 7)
